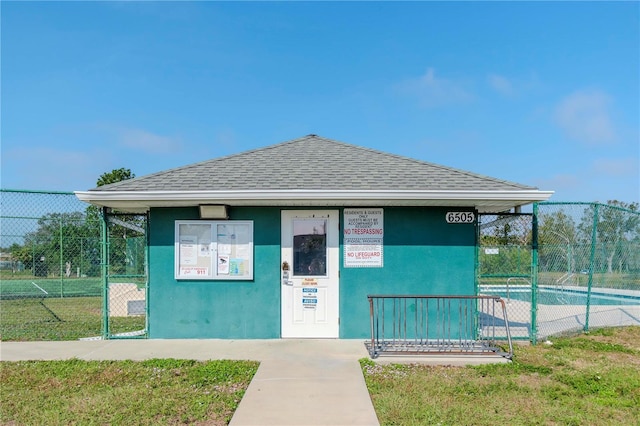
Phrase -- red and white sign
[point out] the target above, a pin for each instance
(193, 271)
(363, 238)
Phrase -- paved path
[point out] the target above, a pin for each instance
(309, 383)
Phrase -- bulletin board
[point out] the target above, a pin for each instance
(214, 250)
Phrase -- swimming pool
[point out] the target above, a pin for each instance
(562, 296)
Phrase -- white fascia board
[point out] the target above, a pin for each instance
(156, 197)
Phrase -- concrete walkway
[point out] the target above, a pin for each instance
(308, 382)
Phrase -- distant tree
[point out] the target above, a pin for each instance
(60, 238)
(107, 178)
(74, 238)
(512, 238)
(123, 237)
(22, 254)
(506, 230)
(556, 226)
(617, 227)
(114, 176)
(557, 239)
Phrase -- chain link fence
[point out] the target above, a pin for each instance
(60, 280)
(588, 267)
(52, 269)
(584, 274)
(505, 260)
(125, 304)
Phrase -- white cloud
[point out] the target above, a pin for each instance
(434, 91)
(584, 116)
(72, 158)
(501, 84)
(514, 86)
(559, 182)
(616, 167)
(46, 168)
(142, 140)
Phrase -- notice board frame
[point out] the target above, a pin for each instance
(213, 250)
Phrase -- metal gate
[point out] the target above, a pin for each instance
(125, 275)
(505, 266)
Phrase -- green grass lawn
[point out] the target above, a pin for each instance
(590, 379)
(153, 392)
(25, 287)
(68, 318)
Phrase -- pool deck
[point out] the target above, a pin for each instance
(559, 318)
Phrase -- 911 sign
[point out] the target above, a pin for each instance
(460, 217)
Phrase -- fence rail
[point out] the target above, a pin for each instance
(434, 324)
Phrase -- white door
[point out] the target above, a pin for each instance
(309, 273)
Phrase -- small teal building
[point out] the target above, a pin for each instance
(288, 240)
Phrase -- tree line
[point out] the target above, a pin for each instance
(69, 244)
(572, 238)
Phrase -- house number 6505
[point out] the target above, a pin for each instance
(460, 217)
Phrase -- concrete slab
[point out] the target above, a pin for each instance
(308, 391)
(454, 361)
(198, 349)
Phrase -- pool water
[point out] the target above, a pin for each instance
(564, 297)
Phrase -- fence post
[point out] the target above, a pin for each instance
(105, 272)
(476, 274)
(534, 275)
(61, 250)
(594, 238)
(146, 271)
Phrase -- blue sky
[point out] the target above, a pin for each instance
(541, 93)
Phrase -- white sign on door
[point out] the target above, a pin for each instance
(363, 238)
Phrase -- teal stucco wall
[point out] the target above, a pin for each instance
(422, 255)
(214, 309)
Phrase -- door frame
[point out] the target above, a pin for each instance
(310, 322)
